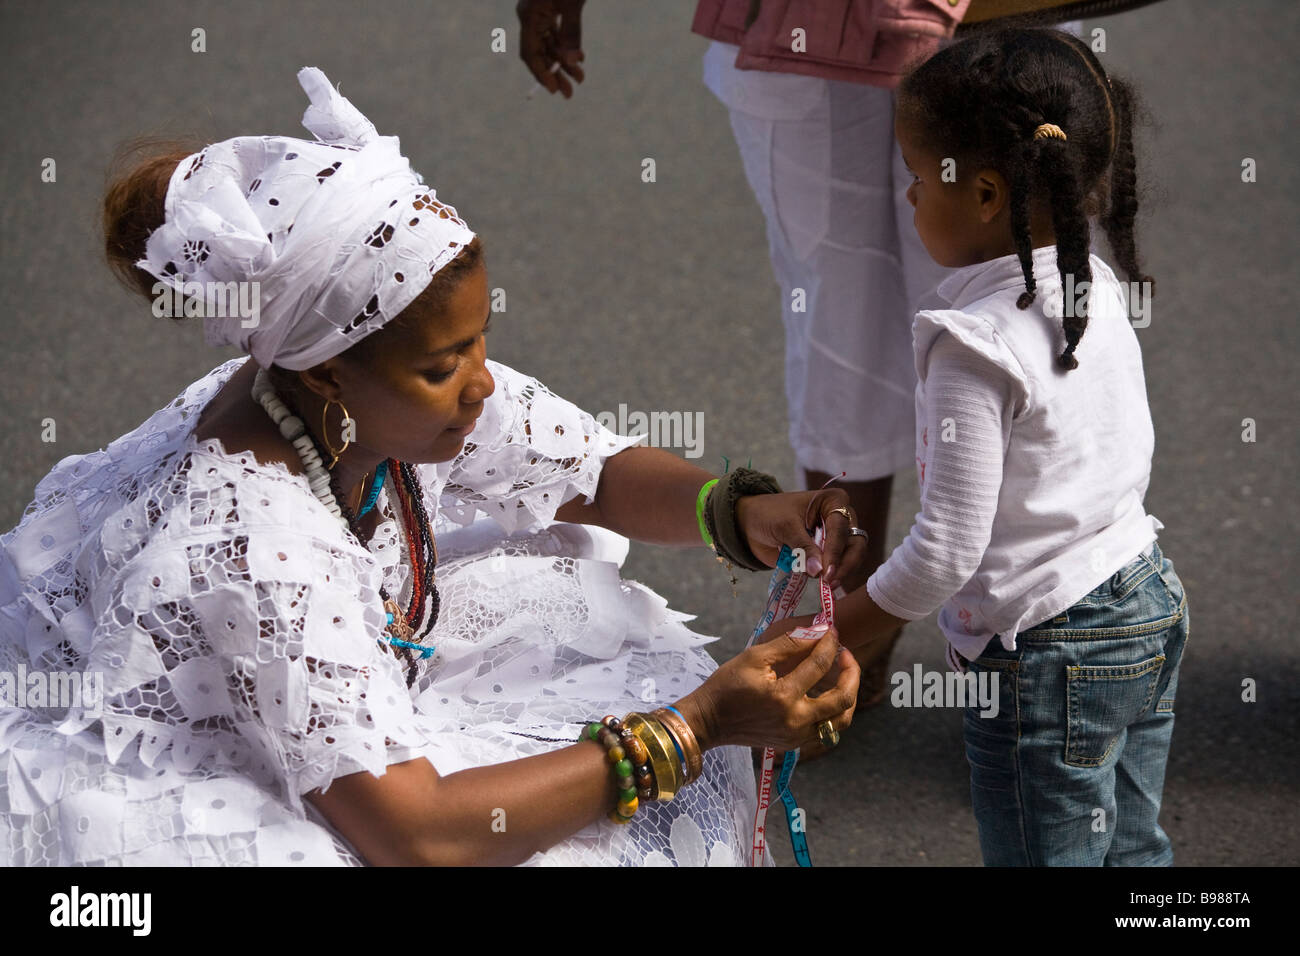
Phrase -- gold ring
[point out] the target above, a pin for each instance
(827, 734)
(843, 511)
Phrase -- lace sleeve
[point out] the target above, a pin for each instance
(530, 453)
(254, 647)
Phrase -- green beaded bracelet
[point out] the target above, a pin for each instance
(607, 733)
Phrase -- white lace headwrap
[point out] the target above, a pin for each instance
(339, 234)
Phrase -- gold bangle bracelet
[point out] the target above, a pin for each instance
(663, 755)
(686, 737)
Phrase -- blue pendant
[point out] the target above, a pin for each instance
(426, 650)
(380, 474)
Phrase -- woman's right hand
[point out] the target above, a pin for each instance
(760, 698)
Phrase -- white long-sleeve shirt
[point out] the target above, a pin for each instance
(1032, 478)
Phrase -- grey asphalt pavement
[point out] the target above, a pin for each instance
(659, 296)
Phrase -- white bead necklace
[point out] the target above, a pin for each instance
(292, 428)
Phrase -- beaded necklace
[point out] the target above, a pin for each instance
(423, 552)
(420, 544)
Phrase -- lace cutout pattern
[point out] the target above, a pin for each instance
(235, 625)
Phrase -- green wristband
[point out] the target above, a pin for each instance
(699, 510)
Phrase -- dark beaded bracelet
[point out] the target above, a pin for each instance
(640, 757)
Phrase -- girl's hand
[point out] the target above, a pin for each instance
(550, 41)
(769, 521)
(785, 626)
(760, 698)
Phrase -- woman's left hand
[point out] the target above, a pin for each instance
(769, 521)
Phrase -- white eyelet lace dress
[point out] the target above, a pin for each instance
(235, 624)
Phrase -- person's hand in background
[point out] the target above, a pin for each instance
(550, 42)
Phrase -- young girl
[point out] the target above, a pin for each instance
(1034, 453)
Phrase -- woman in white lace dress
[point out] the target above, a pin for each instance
(218, 587)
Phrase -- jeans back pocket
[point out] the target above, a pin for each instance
(1101, 702)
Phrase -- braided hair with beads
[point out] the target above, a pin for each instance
(981, 102)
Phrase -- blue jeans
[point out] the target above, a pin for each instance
(1071, 769)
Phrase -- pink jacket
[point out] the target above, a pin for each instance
(861, 41)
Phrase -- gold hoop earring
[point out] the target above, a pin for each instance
(324, 430)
